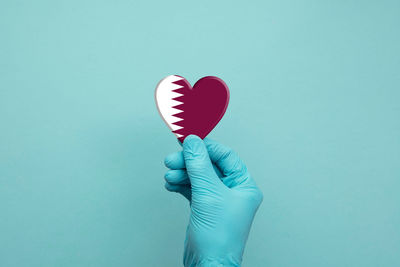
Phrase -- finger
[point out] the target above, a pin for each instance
(175, 161)
(179, 142)
(184, 190)
(228, 161)
(224, 157)
(217, 171)
(177, 177)
(198, 163)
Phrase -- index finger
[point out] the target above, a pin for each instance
(226, 159)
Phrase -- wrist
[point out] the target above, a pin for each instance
(203, 249)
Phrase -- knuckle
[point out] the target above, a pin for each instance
(259, 196)
(255, 197)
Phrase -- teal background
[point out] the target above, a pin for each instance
(314, 112)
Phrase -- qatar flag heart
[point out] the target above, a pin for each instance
(188, 110)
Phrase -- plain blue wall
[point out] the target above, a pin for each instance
(314, 112)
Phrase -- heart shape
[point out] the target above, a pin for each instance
(188, 110)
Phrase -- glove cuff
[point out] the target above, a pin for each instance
(229, 260)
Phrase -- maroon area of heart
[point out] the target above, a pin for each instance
(203, 106)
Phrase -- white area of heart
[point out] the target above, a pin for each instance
(164, 98)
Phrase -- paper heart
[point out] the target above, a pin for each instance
(188, 110)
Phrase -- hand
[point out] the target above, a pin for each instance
(223, 200)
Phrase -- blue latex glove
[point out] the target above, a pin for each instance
(223, 201)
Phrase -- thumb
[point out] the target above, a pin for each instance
(198, 164)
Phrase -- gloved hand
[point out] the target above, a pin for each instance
(223, 200)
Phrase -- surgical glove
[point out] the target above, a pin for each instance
(223, 201)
